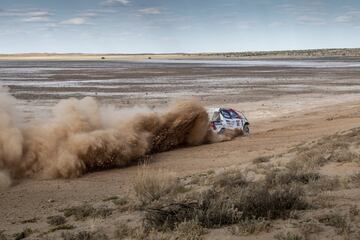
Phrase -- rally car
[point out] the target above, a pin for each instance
(227, 118)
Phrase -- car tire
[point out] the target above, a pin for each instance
(246, 129)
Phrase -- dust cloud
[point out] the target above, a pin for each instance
(82, 136)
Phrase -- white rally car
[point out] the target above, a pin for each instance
(227, 118)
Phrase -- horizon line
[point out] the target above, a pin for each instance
(177, 53)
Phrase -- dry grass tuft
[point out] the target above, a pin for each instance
(259, 201)
(336, 220)
(84, 235)
(61, 227)
(288, 236)
(355, 178)
(150, 186)
(211, 209)
(277, 177)
(250, 226)
(189, 230)
(2, 235)
(324, 183)
(123, 231)
(56, 220)
(110, 198)
(230, 178)
(310, 227)
(218, 208)
(31, 220)
(262, 159)
(23, 234)
(84, 211)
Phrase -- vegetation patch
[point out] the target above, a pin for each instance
(31, 220)
(250, 226)
(262, 159)
(216, 208)
(150, 187)
(230, 179)
(189, 230)
(23, 234)
(288, 236)
(336, 220)
(84, 211)
(56, 220)
(61, 227)
(84, 235)
(290, 175)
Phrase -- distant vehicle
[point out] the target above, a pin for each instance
(227, 118)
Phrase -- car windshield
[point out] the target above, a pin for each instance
(216, 116)
(226, 114)
(229, 114)
(233, 114)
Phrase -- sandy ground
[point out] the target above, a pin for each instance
(280, 119)
(40, 198)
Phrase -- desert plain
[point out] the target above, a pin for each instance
(303, 149)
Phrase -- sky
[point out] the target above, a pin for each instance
(174, 26)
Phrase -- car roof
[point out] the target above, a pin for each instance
(218, 109)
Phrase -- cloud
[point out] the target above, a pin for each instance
(83, 17)
(149, 11)
(75, 21)
(115, 3)
(276, 24)
(305, 19)
(36, 19)
(350, 16)
(245, 25)
(308, 8)
(27, 15)
(88, 14)
(305, 12)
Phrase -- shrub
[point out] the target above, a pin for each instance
(261, 159)
(23, 234)
(189, 230)
(217, 208)
(337, 221)
(61, 227)
(2, 235)
(250, 226)
(290, 175)
(310, 227)
(258, 201)
(230, 178)
(84, 211)
(84, 235)
(123, 231)
(288, 236)
(150, 186)
(56, 220)
(211, 209)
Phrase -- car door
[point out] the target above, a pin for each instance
(216, 121)
(228, 121)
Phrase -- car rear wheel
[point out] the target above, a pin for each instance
(246, 129)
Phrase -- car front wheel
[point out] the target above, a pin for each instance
(246, 129)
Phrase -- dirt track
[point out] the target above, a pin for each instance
(40, 198)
